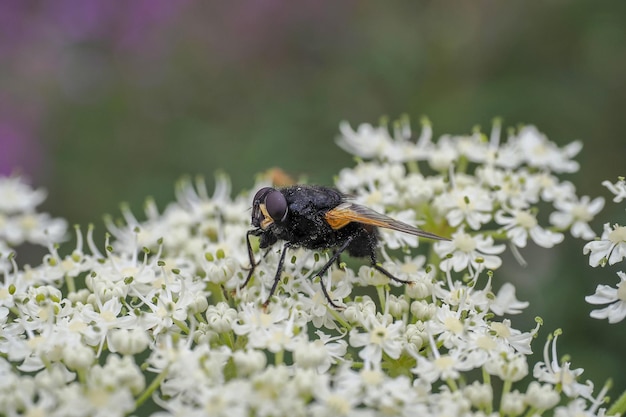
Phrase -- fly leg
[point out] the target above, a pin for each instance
(279, 271)
(382, 270)
(253, 264)
(338, 258)
(322, 271)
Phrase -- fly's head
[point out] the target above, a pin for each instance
(269, 206)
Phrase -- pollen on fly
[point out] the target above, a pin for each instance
(316, 217)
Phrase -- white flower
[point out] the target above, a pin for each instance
(465, 251)
(367, 141)
(472, 205)
(128, 342)
(18, 197)
(319, 354)
(541, 397)
(509, 366)
(577, 215)
(519, 224)
(441, 157)
(38, 228)
(619, 189)
(273, 331)
(220, 317)
(551, 371)
(611, 247)
(506, 302)
(443, 367)
(514, 337)
(615, 297)
(381, 336)
(249, 361)
(512, 403)
(396, 240)
(539, 152)
(359, 310)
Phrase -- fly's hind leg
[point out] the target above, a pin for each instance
(377, 266)
(335, 258)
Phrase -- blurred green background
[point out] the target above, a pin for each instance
(103, 102)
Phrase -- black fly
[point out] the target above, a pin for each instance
(316, 217)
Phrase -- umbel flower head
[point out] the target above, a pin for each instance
(160, 317)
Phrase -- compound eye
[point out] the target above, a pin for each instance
(276, 205)
(260, 195)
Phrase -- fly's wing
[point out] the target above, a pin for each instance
(346, 213)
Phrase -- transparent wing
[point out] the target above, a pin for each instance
(346, 213)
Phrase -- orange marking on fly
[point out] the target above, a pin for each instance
(267, 218)
(344, 214)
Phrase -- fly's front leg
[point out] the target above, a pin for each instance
(253, 264)
(279, 271)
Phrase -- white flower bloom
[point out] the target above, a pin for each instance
(18, 197)
(509, 366)
(249, 361)
(37, 228)
(615, 297)
(444, 155)
(576, 215)
(465, 251)
(397, 240)
(220, 317)
(367, 141)
(273, 331)
(365, 177)
(360, 310)
(129, 342)
(472, 205)
(343, 399)
(446, 366)
(422, 310)
(101, 318)
(415, 189)
(319, 354)
(539, 152)
(512, 403)
(381, 336)
(551, 371)
(481, 395)
(447, 325)
(169, 286)
(619, 189)
(514, 337)
(520, 224)
(542, 397)
(611, 247)
(506, 302)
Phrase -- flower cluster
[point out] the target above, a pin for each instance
(610, 249)
(158, 315)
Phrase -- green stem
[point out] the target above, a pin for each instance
(381, 296)
(338, 318)
(151, 388)
(452, 384)
(487, 381)
(181, 325)
(506, 388)
(228, 340)
(71, 285)
(279, 357)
